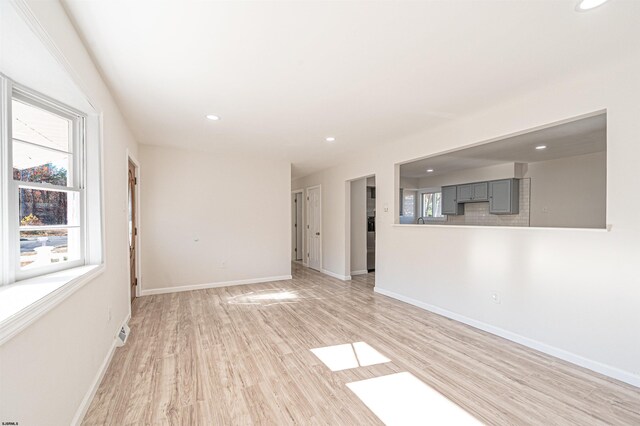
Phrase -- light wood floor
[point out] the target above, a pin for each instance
(237, 355)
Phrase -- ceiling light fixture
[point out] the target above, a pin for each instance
(584, 5)
(213, 117)
(330, 139)
(541, 147)
(429, 170)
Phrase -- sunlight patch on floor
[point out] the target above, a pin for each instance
(263, 297)
(403, 399)
(350, 355)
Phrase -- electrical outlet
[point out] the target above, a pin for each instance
(495, 297)
(109, 314)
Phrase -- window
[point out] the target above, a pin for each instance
(43, 156)
(409, 203)
(432, 205)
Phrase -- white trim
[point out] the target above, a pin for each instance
(362, 272)
(177, 289)
(598, 367)
(20, 320)
(437, 224)
(91, 393)
(6, 274)
(334, 275)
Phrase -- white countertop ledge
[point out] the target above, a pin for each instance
(539, 228)
(24, 302)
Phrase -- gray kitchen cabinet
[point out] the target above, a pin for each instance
(450, 203)
(504, 196)
(481, 191)
(472, 192)
(465, 193)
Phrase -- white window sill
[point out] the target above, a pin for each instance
(24, 302)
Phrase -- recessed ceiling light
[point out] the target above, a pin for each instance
(330, 139)
(589, 4)
(213, 117)
(429, 170)
(541, 147)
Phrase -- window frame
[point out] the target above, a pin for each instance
(421, 194)
(10, 188)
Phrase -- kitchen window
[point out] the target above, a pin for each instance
(431, 205)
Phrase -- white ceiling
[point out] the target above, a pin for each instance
(284, 75)
(578, 137)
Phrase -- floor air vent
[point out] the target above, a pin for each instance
(123, 335)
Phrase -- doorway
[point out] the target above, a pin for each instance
(132, 195)
(371, 224)
(361, 249)
(314, 227)
(297, 249)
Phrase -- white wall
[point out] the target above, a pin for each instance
(569, 192)
(48, 368)
(479, 174)
(209, 218)
(359, 225)
(409, 183)
(574, 293)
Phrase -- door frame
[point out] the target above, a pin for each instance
(293, 235)
(132, 158)
(306, 228)
(347, 235)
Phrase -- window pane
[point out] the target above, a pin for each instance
(41, 127)
(425, 202)
(437, 204)
(428, 205)
(34, 164)
(41, 208)
(46, 247)
(408, 205)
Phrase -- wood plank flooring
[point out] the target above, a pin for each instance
(241, 355)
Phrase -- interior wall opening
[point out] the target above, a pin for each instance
(553, 176)
(362, 220)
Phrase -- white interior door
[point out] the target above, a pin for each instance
(314, 225)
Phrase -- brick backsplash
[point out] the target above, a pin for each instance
(478, 213)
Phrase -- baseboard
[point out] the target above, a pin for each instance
(213, 285)
(598, 367)
(86, 401)
(362, 272)
(338, 276)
